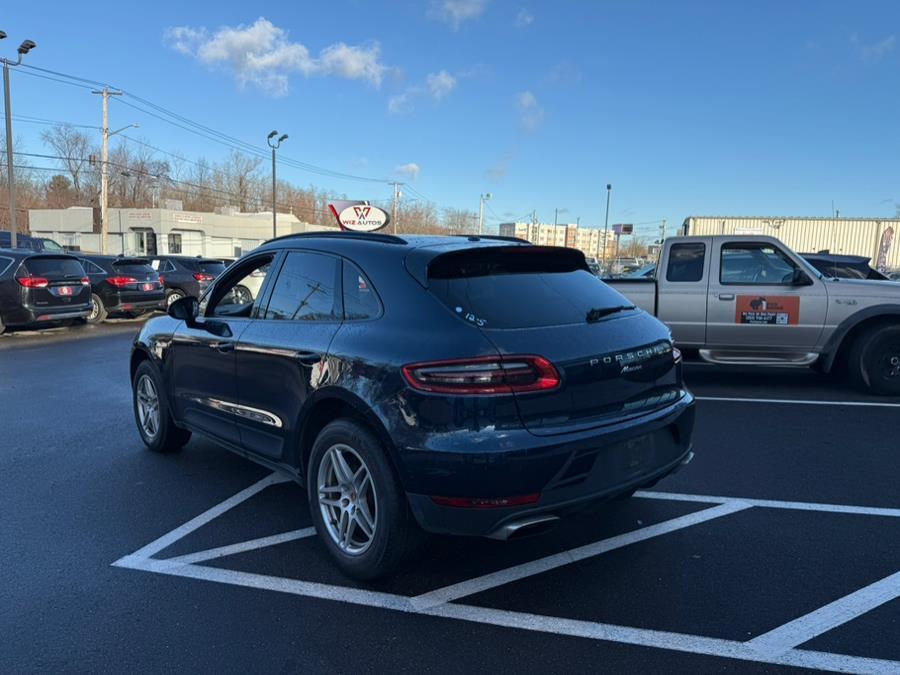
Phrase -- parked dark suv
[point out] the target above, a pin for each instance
(122, 286)
(186, 276)
(38, 288)
(471, 386)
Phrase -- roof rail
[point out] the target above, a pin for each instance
(343, 234)
(492, 237)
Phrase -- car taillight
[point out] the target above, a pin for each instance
(676, 355)
(85, 281)
(121, 281)
(199, 276)
(483, 375)
(33, 282)
(161, 280)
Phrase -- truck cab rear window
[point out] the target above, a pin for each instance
(517, 287)
(686, 262)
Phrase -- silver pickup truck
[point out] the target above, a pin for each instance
(751, 300)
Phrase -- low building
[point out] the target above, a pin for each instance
(164, 231)
(847, 236)
(588, 240)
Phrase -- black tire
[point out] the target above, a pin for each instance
(168, 437)
(396, 534)
(98, 310)
(173, 295)
(2, 326)
(874, 361)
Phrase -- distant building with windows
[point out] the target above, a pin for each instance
(164, 231)
(588, 240)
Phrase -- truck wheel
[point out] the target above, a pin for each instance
(875, 361)
(356, 502)
(98, 310)
(151, 412)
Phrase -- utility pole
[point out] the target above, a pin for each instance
(105, 93)
(606, 225)
(274, 145)
(24, 48)
(556, 216)
(484, 198)
(395, 204)
(534, 216)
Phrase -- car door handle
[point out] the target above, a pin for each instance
(222, 347)
(726, 296)
(307, 358)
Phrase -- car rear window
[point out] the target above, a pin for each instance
(519, 287)
(134, 266)
(214, 267)
(53, 267)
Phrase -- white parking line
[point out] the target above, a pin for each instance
(772, 503)
(777, 647)
(242, 547)
(182, 531)
(505, 576)
(793, 401)
(830, 616)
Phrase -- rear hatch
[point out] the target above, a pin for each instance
(135, 280)
(53, 281)
(204, 270)
(614, 360)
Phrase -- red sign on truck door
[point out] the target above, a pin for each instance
(776, 310)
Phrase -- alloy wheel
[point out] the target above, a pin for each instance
(347, 499)
(147, 406)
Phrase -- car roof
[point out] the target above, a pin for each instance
(31, 253)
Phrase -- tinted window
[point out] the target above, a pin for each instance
(133, 267)
(519, 288)
(92, 268)
(54, 267)
(50, 245)
(360, 301)
(214, 267)
(239, 292)
(305, 289)
(686, 262)
(755, 264)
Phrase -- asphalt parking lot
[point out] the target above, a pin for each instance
(777, 548)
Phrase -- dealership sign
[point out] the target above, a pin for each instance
(359, 216)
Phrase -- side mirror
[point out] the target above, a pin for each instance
(800, 278)
(185, 309)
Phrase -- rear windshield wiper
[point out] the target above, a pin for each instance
(598, 313)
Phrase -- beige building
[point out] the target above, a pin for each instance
(847, 236)
(164, 231)
(588, 240)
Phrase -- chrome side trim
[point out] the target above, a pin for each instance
(245, 411)
(723, 357)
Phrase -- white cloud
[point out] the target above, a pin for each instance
(531, 114)
(876, 51)
(440, 84)
(410, 170)
(437, 85)
(262, 54)
(455, 12)
(523, 18)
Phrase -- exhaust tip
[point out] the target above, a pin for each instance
(527, 527)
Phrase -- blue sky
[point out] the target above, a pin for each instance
(686, 107)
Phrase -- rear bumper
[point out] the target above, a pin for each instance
(568, 472)
(156, 301)
(22, 316)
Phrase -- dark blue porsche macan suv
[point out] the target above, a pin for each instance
(459, 385)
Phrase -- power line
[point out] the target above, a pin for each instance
(53, 123)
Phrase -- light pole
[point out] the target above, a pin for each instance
(274, 145)
(485, 197)
(606, 224)
(24, 48)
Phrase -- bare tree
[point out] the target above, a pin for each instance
(73, 148)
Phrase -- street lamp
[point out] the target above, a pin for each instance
(485, 197)
(606, 225)
(24, 48)
(274, 145)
